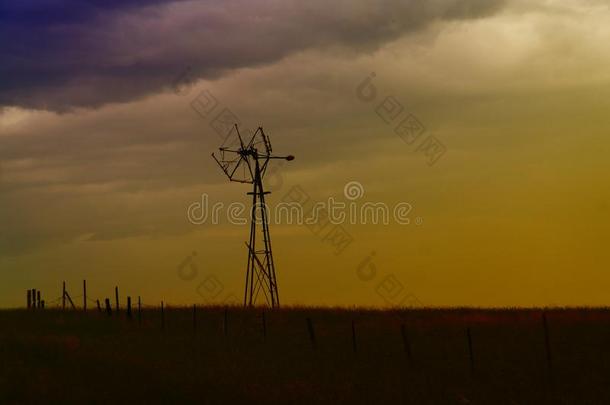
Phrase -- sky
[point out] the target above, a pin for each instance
(109, 113)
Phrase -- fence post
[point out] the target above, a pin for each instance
(405, 342)
(33, 298)
(129, 308)
(194, 318)
(470, 351)
(108, 308)
(312, 333)
(547, 345)
(225, 323)
(116, 298)
(162, 316)
(29, 294)
(99, 308)
(354, 347)
(38, 298)
(84, 295)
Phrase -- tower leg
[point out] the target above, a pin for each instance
(248, 293)
(260, 273)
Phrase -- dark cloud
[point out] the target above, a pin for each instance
(64, 11)
(58, 55)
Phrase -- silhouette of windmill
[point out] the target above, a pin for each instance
(247, 163)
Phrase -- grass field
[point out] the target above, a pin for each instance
(50, 356)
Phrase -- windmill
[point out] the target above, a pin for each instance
(247, 163)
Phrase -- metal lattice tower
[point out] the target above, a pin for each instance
(247, 163)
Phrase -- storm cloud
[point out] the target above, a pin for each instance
(58, 55)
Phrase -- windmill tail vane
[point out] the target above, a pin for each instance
(247, 163)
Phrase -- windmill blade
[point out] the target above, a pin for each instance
(260, 142)
(253, 136)
(241, 141)
(236, 167)
(223, 166)
(230, 162)
(244, 175)
(233, 140)
(267, 141)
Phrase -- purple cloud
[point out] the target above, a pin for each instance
(57, 55)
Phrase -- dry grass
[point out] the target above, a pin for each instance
(49, 356)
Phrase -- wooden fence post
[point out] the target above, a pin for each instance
(29, 294)
(194, 318)
(129, 308)
(162, 316)
(312, 333)
(470, 351)
(99, 308)
(354, 347)
(33, 298)
(116, 298)
(108, 308)
(225, 323)
(405, 342)
(547, 345)
(70, 301)
(38, 298)
(84, 295)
